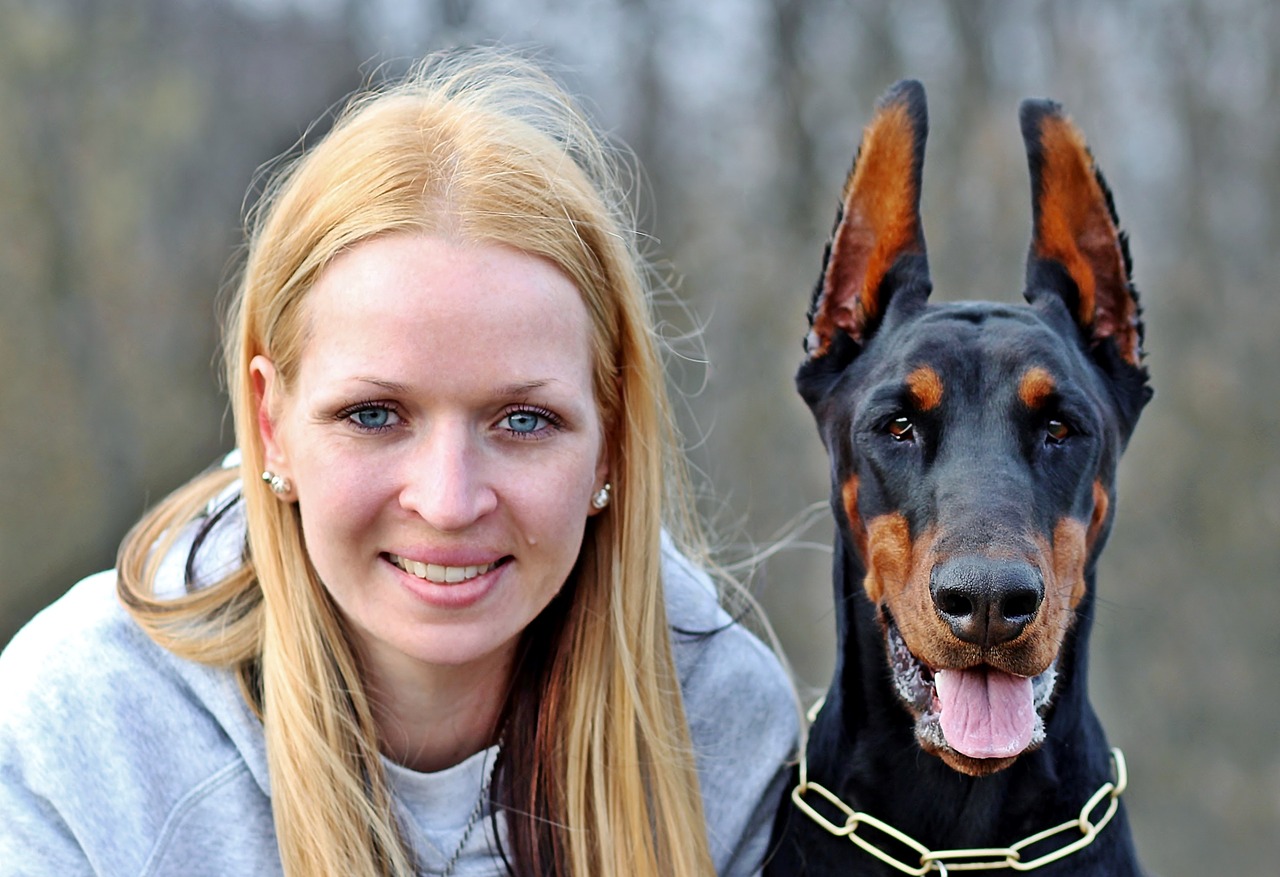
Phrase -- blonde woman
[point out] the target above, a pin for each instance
(428, 621)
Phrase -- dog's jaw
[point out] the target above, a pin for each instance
(914, 683)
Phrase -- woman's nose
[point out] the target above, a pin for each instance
(445, 481)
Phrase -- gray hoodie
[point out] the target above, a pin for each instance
(118, 758)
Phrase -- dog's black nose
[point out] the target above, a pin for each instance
(986, 602)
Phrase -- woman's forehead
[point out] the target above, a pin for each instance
(420, 302)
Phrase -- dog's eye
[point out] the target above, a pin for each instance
(902, 429)
(1056, 432)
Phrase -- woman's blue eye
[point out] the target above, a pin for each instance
(525, 421)
(372, 418)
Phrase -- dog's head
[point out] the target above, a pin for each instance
(973, 446)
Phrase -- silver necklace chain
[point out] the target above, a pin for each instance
(472, 821)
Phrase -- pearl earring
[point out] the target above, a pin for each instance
(600, 498)
(279, 484)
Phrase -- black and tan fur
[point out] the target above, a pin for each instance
(973, 450)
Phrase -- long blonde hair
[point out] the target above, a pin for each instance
(597, 775)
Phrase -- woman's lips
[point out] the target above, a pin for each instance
(448, 586)
(441, 574)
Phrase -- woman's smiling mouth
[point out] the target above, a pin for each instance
(440, 574)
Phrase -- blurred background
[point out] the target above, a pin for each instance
(130, 132)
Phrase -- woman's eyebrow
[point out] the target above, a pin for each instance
(522, 387)
(390, 386)
(515, 389)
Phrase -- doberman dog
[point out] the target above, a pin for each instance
(973, 449)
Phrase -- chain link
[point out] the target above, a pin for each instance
(945, 861)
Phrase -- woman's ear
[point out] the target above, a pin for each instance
(600, 492)
(265, 391)
(607, 425)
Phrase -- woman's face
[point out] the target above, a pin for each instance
(443, 441)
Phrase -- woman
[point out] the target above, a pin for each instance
(433, 636)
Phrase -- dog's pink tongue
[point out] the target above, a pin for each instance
(985, 713)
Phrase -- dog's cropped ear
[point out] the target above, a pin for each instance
(1078, 253)
(877, 251)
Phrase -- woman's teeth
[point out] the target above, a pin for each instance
(438, 573)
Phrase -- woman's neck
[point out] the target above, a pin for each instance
(431, 717)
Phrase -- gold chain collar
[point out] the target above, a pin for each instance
(945, 861)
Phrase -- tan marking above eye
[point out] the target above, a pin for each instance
(925, 387)
(1036, 386)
